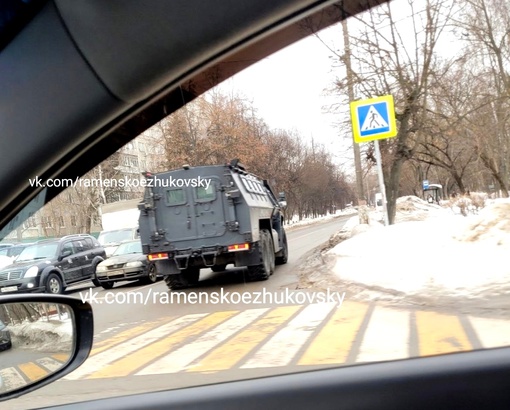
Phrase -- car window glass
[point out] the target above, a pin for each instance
(79, 246)
(68, 249)
(206, 193)
(87, 244)
(175, 197)
(356, 288)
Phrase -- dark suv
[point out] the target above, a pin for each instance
(53, 264)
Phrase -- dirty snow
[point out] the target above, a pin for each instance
(431, 252)
(53, 336)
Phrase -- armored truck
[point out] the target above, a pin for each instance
(209, 217)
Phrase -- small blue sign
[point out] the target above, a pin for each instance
(373, 119)
(425, 184)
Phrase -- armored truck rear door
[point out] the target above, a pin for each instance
(192, 212)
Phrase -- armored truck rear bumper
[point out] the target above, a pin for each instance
(171, 263)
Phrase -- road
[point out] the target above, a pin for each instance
(149, 345)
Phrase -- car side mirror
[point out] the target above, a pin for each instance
(65, 254)
(52, 332)
(282, 200)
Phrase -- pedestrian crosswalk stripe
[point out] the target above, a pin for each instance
(170, 340)
(61, 357)
(283, 346)
(127, 334)
(185, 355)
(439, 333)
(32, 371)
(386, 337)
(237, 348)
(316, 334)
(50, 364)
(99, 362)
(492, 332)
(334, 342)
(12, 379)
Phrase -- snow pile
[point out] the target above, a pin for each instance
(412, 208)
(443, 256)
(468, 204)
(295, 222)
(53, 336)
(491, 225)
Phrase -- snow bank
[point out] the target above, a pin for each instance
(52, 336)
(295, 222)
(436, 254)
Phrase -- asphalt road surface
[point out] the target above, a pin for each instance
(146, 342)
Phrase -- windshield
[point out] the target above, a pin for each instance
(39, 251)
(106, 238)
(389, 135)
(129, 247)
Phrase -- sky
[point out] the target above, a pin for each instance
(289, 88)
(289, 91)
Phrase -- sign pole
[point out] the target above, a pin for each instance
(374, 119)
(378, 160)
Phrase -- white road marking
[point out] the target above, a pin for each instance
(179, 359)
(492, 332)
(12, 379)
(50, 364)
(386, 337)
(283, 346)
(103, 359)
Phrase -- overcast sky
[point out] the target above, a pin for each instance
(288, 89)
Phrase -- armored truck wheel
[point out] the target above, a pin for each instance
(187, 278)
(283, 255)
(266, 268)
(218, 268)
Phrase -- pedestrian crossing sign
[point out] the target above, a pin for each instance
(373, 119)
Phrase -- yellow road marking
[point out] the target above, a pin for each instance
(439, 333)
(61, 357)
(128, 334)
(231, 352)
(333, 343)
(33, 371)
(142, 357)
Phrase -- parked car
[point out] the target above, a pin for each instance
(53, 264)
(5, 338)
(81, 78)
(5, 245)
(13, 250)
(127, 263)
(10, 253)
(110, 240)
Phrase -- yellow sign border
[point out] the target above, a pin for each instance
(388, 99)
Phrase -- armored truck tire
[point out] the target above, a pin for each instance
(266, 268)
(283, 255)
(187, 278)
(219, 268)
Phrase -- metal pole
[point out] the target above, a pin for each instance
(378, 159)
(357, 153)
